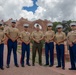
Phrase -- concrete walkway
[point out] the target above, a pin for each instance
(33, 70)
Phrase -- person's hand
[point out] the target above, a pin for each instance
(74, 41)
(12, 39)
(0, 41)
(46, 41)
(71, 44)
(50, 39)
(58, 43)
(27, 42)
(37, 41)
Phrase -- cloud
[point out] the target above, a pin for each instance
(28, 15)
(58, 9)
(54, 10)
(13, 8)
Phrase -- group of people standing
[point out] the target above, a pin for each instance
(50, 37)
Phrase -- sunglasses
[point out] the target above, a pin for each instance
(59, 28)
(72, 25)
(0, 24)
(25, 27)
(14, 22)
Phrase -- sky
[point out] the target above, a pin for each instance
(53, 10)
(31, 8)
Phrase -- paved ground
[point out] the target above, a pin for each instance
(33, 70)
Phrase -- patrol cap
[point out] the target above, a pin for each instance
(1, 23)
(59, 26)
(26, 25)
(73, 24)
(13, 21)
(49, 24)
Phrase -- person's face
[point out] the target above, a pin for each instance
(59, 29)
(0, 26)
(49, 28)
(25, 28)
(37, 28)
(13, 24)
(73, 27)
